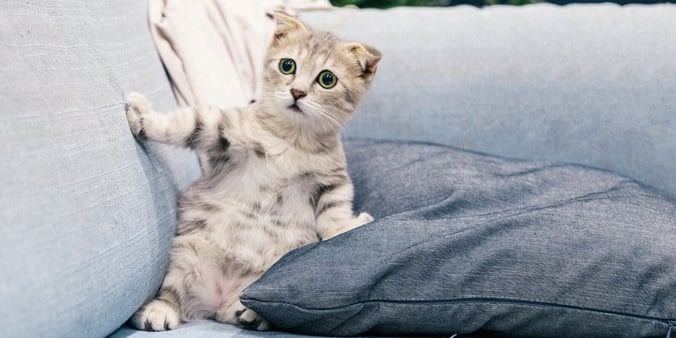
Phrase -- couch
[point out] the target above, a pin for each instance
(87, 213)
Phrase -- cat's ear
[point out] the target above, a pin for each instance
(367, 57)
(285, 24)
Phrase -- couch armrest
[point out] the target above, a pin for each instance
(592, 84)
(87, 213)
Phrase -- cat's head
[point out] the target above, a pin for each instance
(313, 79)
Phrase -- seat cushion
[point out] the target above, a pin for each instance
(465, 242)
(199, 329)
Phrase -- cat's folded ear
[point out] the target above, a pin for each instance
(367, 57)
(285, 24)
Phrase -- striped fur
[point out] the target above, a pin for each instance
(274, 176)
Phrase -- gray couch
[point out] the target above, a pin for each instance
(87, 213)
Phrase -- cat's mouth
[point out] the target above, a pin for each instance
(294, 107)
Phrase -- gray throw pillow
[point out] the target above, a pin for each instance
(465, 242)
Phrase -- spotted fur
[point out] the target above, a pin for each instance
(273, 176)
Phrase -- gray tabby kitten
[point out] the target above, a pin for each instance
(273, 175)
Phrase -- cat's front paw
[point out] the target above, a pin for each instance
(364, 218)
(157, 315)
(352, 223)
(137, 107)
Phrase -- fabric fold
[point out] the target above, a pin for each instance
(213, 50)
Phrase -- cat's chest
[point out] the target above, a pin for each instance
(254, 175)
(264, 162)
(288, 184)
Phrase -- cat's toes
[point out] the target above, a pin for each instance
(139, 102)
(250, 320)
(156, 316)
(364, 218)
(352, 223)
(137, 106)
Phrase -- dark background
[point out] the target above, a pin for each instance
(478, 3)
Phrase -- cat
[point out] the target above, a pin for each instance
(273, 177)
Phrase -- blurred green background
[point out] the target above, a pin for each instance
(478, 3)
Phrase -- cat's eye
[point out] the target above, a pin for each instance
(326, 79)
(287, 66)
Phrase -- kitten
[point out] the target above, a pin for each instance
(273, 178)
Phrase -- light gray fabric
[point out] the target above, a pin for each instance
(199, 329)
(86, 214)
(590, 84)
(465, 242)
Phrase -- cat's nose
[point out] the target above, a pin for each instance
(297, 94)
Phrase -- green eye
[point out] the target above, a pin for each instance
(326, 79)
(287, 66)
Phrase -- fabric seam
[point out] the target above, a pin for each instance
(665, 320)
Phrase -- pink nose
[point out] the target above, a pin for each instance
(297, 94)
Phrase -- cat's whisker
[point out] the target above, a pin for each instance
(324, 116)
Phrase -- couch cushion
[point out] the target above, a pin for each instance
(86, 214)
(590, 83)
(465, 242)
(198, 329)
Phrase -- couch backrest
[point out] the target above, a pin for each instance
(590, 84)
(86, 216)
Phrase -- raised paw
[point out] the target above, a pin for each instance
(137, 106)
(158, 315)
(250, 320)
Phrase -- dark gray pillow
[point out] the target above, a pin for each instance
(465, 242)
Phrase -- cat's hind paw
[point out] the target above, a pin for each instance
(238, 314)
(250, 320)
(137, 106)
(158, 315)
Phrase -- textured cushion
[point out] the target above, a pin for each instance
(198, 329)
(465, 242)
(591, 84)
(86, 214)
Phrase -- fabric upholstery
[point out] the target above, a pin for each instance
(465, 242)
(590, 84)
(199, 329)
(86, 213)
